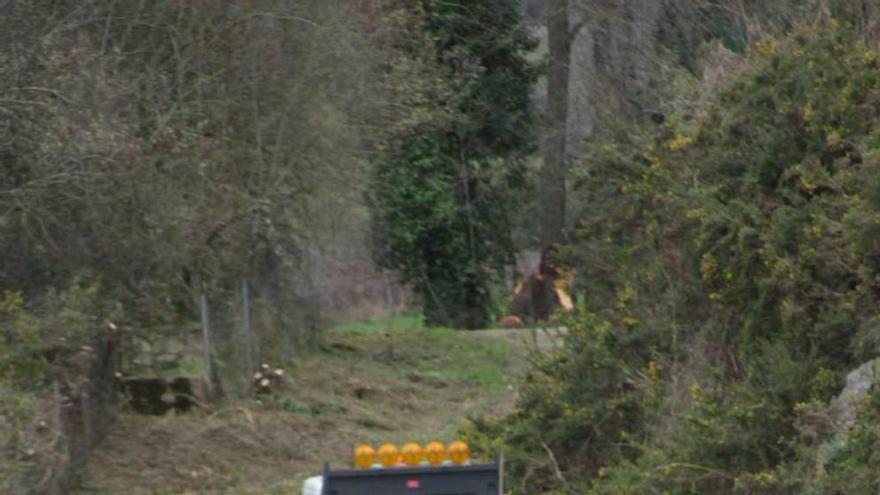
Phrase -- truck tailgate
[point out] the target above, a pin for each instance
(475, 479)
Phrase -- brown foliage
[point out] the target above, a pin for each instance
(544, 292)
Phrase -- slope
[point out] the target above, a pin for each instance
(390, 381)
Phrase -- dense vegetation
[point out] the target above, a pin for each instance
(729, 273)
(165, 150)
(155, 152)
(723, 167)
(444, 193)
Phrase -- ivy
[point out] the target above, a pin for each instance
(444, 196)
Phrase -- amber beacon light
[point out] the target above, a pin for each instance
(411, 454)
(364, 456)
(388, 455)
(435, 453)
(459, 452)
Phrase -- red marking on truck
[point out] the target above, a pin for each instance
(413, 484)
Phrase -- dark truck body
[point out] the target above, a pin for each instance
(471, 479)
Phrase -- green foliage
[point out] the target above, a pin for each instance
(35, 349)
(19, 446)
(443, 196)
(558, 407)
(730, 265)
(45, 340)
(854, 468)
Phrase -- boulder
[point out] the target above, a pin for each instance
(844, 409)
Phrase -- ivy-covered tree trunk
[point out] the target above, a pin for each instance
(442, 199)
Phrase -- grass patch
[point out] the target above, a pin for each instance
(391, 324)
(488, 374)
(379, 381)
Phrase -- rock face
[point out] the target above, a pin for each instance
(845, 407)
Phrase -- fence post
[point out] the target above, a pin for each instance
(86, 417)
(246, 326)
(58, 399)
(211, 377)
(63, 447)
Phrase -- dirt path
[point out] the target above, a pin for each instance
(360, 387)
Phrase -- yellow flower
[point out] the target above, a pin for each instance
(766, 47)
(807, 185)
(679, 142)
(708, 265)
(654, 160)
(764, 477)
(653, 371)
(696, 391)
(696, 214)
(809, 112)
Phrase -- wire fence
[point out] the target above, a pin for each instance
(243, 330)
(238, 329)
(203, 356)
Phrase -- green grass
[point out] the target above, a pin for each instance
(437, 353)
(390, 380)
(391, 324)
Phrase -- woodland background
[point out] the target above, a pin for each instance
(709, 167)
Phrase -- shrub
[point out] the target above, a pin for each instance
(731, 269)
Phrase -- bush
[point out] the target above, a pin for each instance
(559, 429)
(731, 269)
(45, 341)
(49, 337)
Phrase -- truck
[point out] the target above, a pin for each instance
(436, 469)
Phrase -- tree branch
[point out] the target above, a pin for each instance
(554, 463)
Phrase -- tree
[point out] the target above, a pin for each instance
(442, 196)
(168, 149)
(553, 191)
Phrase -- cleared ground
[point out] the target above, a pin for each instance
(374, 382)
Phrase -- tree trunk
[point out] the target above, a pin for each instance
(553, 192)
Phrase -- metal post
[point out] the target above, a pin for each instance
(501, 473)
(246, 326)
(86, 417)
(206, 335)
